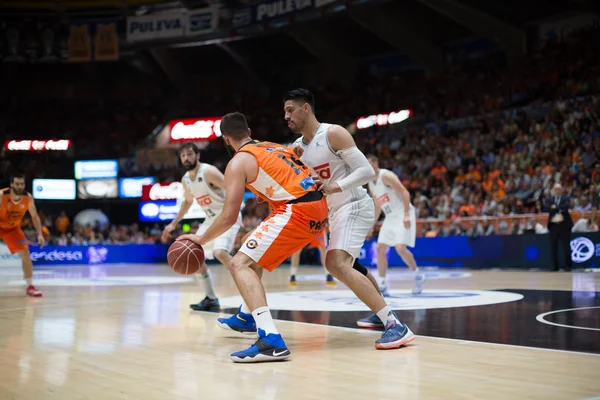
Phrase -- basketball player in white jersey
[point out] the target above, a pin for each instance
(399, 227)
(206, 184)
(341, 169)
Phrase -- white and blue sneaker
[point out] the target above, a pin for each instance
(267, 348)
(395, 336)
(240, 322)
(419, 281)
(371, 322)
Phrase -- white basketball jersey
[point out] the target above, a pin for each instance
(323, 161)
(211, 199)
(387, 198)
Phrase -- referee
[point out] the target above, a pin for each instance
(559, 225)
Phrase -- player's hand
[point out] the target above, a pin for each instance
(298, 150)
(41, 240)
(166, 235)
(330, 188)
(407, 221)
(191, 237)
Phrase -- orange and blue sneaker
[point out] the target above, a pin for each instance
(395, 336)
(240, 322)
(371, 322)
(330, 280)
(267, 348)
(293, 280)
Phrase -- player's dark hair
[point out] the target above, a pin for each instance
(234, 125)
(188, 146)
(16, 176)
(301, 95)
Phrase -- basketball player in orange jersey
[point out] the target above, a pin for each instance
(299, 216)
(14, 204)
(341, 170)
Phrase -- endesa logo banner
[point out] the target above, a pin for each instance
(184, 130)
(37, 145)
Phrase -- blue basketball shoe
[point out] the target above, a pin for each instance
(240, 322)
(267, 348)
(372, 322)
(207, 304)
(395, 336)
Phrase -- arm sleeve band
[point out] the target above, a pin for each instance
(362, 172)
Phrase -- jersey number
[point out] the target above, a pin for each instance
(323, 171)
(294, 163)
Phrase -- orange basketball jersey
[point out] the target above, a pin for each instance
(11, 213)
(281, 176)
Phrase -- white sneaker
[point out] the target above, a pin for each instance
(419, 281)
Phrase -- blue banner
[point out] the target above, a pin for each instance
(510, 251)
(99, 254)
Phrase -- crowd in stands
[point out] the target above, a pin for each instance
(488, 138)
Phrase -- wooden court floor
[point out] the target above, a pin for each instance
(126, 332)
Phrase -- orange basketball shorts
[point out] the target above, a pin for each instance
(14, 238)
(289, 229)
(320, 241)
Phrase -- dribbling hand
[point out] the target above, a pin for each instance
(191, 237)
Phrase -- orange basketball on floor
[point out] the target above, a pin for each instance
(185, 257)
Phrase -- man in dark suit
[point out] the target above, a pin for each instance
(559, 225)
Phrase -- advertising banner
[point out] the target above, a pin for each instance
(99, 254)
(98, 189)
(96, 169)
(37, 145)
(155, 26)
(166, 210)
(183, 130)
(202, 21)
(163, 191)
(131, 188)
(510, 251)
(383, 119)
(53, 189)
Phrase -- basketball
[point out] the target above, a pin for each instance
(185, 257)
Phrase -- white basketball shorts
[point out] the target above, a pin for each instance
(393, 231)
(349, 225)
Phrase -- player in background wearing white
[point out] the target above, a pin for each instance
(341, 169)
(321, 245)
(399, 227)
(206, 184)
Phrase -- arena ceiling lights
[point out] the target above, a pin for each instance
(395, 117)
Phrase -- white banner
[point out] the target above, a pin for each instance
(54, 189)
(202, 21)
(156, 26)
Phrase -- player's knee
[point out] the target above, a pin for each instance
(222, 256)
(336, 261)
(239, 261)
(363, 270)
(382, 248)
(401, 249)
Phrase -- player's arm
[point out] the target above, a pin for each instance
(377, 213)
(235, 184)
(344, 146)
(36, 221)
(185, 206)
(215, 177)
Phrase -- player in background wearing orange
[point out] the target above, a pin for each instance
(14, 204)
(321, 245)
(299, 216)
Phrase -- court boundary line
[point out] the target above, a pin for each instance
(540, 318)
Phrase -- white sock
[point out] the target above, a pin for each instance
(386, 314)
(206, 280)
(264, 321)
(245, 308)
(416, 271)
(293, 270)
(29, 281)
(382, 281)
